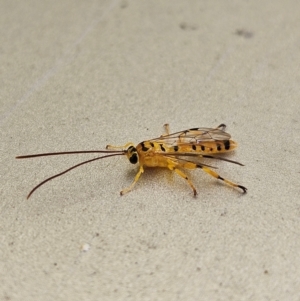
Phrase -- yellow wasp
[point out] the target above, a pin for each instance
(169, 151)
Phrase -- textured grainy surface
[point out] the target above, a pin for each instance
(81, 74)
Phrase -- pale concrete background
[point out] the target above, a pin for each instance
(81, 74)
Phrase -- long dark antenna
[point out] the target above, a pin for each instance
(112, 154)
(69, 153)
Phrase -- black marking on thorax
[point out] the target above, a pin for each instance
(144, 148)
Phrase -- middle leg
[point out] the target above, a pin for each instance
(184, 176)
(173, 165)
(167, 130)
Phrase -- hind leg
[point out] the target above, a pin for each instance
(217, 176)
(222, 127)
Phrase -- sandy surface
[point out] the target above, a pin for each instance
(77, 75)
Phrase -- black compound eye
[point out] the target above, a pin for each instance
(133, 159)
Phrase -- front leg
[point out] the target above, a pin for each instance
(136, 178)
(122, 147)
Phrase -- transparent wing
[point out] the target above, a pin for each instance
(198, 156)
(195, 135)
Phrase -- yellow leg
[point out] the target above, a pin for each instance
(222, 127)
(119, 146)
(136, 178)
(172, 165)
(217, 176)
(183, 175)
(167, 130)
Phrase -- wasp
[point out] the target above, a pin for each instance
(176, 151)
